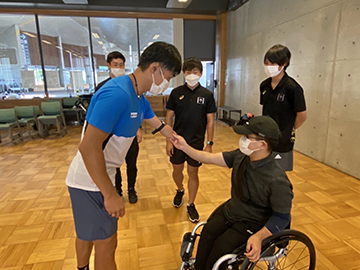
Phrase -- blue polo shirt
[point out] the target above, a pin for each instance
(117, 110)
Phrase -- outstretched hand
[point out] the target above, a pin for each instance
(178, 141)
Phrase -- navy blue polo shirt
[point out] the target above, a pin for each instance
(282, 104)
(191, 108)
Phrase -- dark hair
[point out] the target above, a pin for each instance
(115, 55)
(191, 63)
(272, 143)
(278, 54)
(165, 54)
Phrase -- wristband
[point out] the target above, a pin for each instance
(159, 128)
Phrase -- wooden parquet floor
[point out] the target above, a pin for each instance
(37, 231)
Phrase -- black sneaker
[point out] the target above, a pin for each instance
(193, 213)
(132, 196)
(178, 201)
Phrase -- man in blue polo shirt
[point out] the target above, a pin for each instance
(115, 114)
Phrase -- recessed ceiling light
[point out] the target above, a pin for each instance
(182, 1)
(75, 2)
(28, 34)
(156, 36)
(150, 43)
(100, 42)
(95, 35)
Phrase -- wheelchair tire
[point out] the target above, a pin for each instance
(300, 252)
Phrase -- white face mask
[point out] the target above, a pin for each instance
(117, 72)
(192, 79)
(158, 89)
(273, 70)
(244, 146)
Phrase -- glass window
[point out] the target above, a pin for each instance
(150, 31)
(66, 52)
(20, 66)
(112, 34)
(207, 78)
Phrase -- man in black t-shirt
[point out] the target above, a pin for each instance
(194, 108)
(116, 64)
(261, 194)
(283, 100)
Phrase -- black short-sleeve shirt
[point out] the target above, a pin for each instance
(101, 84)
(191, 108)
(267, 189)
(282, 104)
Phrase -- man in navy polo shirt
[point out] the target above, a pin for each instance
(261, 194)
(194, 108)
(115, 114)
(283, 100)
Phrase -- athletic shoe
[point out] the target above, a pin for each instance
(178, 201)
(133, 198)
(193, 213)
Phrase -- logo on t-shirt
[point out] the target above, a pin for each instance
(200, 100)
(133, 115)
(281, 97)
(181, 97)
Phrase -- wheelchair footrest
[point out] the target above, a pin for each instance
(187, 246)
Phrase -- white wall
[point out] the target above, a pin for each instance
(324, 39)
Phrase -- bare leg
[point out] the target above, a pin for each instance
(105, 253)
(193, 183)
(178, 175)
(83, 252)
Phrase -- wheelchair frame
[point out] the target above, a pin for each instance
(237, 259)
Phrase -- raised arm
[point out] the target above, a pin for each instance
(158, 126)
(202, 156)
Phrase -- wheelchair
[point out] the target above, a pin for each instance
(82, 104)
(289, 249)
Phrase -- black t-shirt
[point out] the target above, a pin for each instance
(101, 84)
(282, 104)
(266, 188)
(191, 108)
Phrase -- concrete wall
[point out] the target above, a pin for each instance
(324, 38)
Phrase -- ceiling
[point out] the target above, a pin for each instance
(210, 7)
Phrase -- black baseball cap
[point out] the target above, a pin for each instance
(263, 126)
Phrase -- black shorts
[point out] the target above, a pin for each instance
(179, 157)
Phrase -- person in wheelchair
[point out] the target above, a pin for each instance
(261, 194)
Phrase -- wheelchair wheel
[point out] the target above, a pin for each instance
(288, 250)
